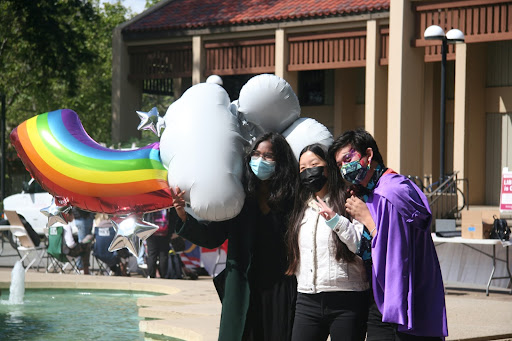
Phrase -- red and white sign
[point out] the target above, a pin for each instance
(506, 191)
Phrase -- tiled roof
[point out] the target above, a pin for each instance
(186, 14)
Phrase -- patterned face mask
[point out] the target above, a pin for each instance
(353, 172)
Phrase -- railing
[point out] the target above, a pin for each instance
(445, 198)
(480, 20)
(160, 62)
(240, 57)
(327, 51)
(384, 45)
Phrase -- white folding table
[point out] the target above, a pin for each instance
(491, 242)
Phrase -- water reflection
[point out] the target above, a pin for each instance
(71, 315)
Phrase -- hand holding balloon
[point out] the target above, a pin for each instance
(179, 202)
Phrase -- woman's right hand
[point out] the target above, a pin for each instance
(179, 202)
(325, 211)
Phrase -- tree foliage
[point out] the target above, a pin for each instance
(151, 3)
(57, 54)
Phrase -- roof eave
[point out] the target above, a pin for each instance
(144, 13)
(183, 31)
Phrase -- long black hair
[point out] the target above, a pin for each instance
(283, 182)
(336, 192)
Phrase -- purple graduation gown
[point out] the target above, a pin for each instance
(407, 281)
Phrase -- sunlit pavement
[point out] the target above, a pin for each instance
(187, 310)
(190, 310)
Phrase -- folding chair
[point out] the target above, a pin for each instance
(108, 262)
(103, 236)
(26, 245)
(57, 259)
(100, 267)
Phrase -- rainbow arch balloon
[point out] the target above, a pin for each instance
(67, 163)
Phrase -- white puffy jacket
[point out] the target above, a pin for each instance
(318, 269)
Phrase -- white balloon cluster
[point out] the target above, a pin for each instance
(204, 142)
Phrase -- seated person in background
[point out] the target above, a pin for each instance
(83, 221)
(104, 234)
(71, 248)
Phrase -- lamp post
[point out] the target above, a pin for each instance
(453, 36)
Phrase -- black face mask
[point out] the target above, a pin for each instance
(313, 178)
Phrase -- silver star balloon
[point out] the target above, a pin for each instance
(55, 211)
(151, 121)
(131, 231)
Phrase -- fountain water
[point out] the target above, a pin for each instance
(17, 289)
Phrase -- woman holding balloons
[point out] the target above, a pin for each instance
(258, 299)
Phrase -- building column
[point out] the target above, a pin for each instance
(177, 87)
(475, 121)
(459, 115)
(338, 103)
(198, 60)
(405, 93)
(375, 88)
(345, 110)
(126, 94)
(281, 54)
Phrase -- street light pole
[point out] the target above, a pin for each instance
(435, 32)
(442, 129)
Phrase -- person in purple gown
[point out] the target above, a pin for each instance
(408, 293)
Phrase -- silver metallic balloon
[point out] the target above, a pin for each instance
(131, 231)
(306, 131)
(269, 102)
(204, 152)
(151, 120)
(55, 212)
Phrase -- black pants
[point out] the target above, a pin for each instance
(271, 311)
(158, 249)
(341, 314)
(382, 331)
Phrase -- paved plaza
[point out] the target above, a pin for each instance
(190, 310)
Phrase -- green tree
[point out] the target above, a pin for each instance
(40, 42)
(93, 99)
(58, 54)
(151, 3)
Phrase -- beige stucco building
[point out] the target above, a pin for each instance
(351, 63)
